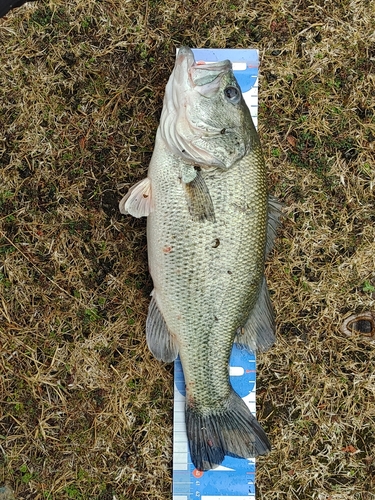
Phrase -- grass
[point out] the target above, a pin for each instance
(86, 412)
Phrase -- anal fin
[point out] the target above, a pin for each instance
(258, 333)
(160, 341)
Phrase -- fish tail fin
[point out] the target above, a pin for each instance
(232, 431)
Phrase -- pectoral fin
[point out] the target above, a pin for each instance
(160, 341)
(138, 200)
(258, 334)
(199, 199)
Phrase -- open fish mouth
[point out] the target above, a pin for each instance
(204, 120)
(204, 77)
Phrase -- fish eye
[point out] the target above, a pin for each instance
(232, 94)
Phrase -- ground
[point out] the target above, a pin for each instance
(86, 411)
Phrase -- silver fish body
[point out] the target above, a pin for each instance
(208, 213)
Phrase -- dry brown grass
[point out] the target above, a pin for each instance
(85, 409)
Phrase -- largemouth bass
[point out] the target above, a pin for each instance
(208, 211)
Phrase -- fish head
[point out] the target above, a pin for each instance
(205, 120)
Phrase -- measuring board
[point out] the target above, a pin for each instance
(234, 479)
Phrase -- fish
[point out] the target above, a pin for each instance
(210, 226)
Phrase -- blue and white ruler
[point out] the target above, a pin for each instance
(235, 478)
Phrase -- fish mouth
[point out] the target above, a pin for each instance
(187, 123)
(202, 76)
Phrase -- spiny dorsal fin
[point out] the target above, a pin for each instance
(274, 214)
